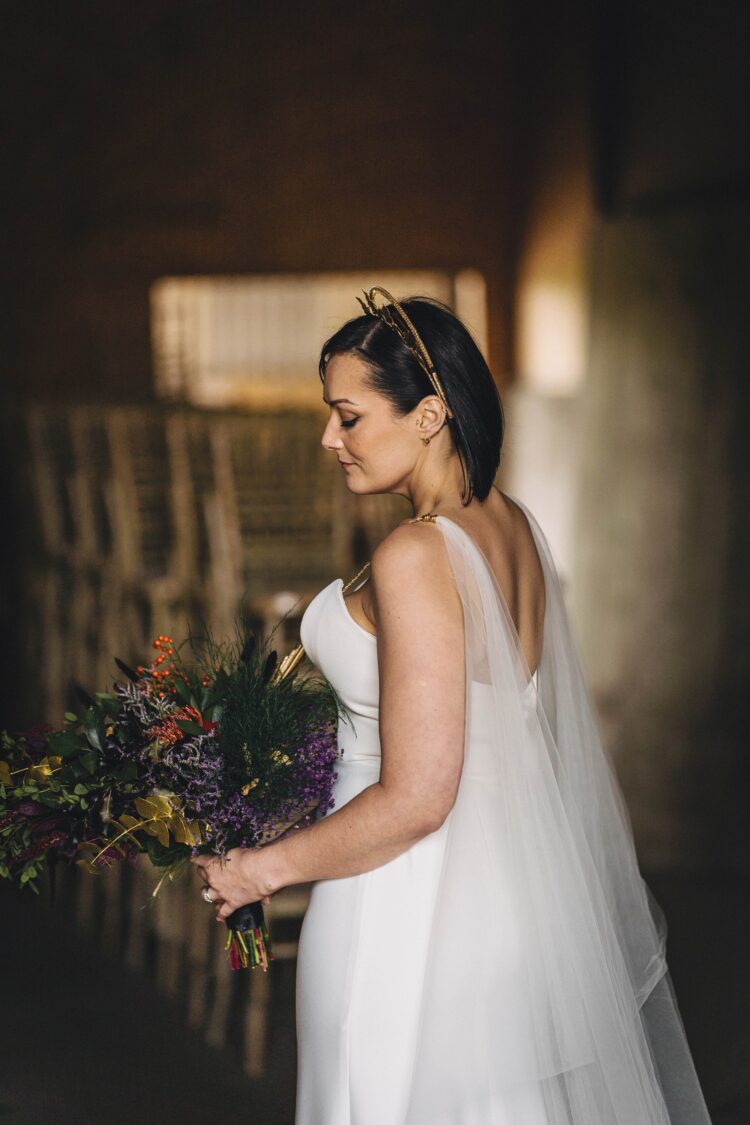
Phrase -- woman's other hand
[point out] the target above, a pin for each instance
(233, 880)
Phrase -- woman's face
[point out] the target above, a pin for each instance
(377, 451)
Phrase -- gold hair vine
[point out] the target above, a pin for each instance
(419, 351)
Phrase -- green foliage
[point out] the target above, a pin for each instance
(164, 857)
(278, 716)
(61, 775)
(72, 792)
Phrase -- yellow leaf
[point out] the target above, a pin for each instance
(5, 773)
(179, 829)
(162, 833)
(42, 770)
(36, 773)
(192, 832)
(128, 821)
(155, 805)
(164, 805)
(194, 828)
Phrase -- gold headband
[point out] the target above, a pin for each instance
(415, 344)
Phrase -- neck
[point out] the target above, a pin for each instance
(438, 491)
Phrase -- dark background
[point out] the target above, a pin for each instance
(602, 144)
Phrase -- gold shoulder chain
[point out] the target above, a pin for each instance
(292, 659)
(354, 579)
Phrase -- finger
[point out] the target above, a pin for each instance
(203, 861)
(223, 912)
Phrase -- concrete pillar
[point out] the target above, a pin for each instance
(660, 592)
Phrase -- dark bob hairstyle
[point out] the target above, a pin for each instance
(478, 422)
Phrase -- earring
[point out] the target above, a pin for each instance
(426, 440)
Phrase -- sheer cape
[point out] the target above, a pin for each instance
(547, 949)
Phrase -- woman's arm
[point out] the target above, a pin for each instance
(421, 664)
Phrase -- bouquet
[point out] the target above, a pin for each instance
(195, 753)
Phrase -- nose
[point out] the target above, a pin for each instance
(330, 439)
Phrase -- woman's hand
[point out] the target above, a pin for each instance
(234, 879)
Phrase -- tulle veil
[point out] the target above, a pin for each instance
(546, 948)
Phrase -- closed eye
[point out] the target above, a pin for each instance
(351, 422)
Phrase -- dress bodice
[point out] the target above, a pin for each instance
(346, 654)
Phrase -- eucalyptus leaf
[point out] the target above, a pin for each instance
(65, 743)
(89, 761)
(91, 724)
(109, 704)
(183, 690)
(162, 857)
(189, 727)
(52, 800)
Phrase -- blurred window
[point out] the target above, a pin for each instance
(254, 341)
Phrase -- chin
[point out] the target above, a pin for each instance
(366, 489)
(359, 486)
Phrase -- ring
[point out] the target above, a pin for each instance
(206, 895)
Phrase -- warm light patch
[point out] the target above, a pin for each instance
(253, 341)
(552, 336)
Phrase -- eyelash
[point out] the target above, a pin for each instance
(348, 425)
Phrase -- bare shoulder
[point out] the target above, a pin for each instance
(410, 546)
(411, 565)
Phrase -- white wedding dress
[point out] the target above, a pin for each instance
(509, 968)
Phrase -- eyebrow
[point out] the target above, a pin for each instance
(336, 401)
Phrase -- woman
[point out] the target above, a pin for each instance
(479, 948)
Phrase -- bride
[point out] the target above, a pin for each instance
(480, 947)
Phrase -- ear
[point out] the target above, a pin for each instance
(430, 416)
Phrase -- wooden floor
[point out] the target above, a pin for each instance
(85, 1040)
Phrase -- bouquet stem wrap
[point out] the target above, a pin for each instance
(248, 942)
